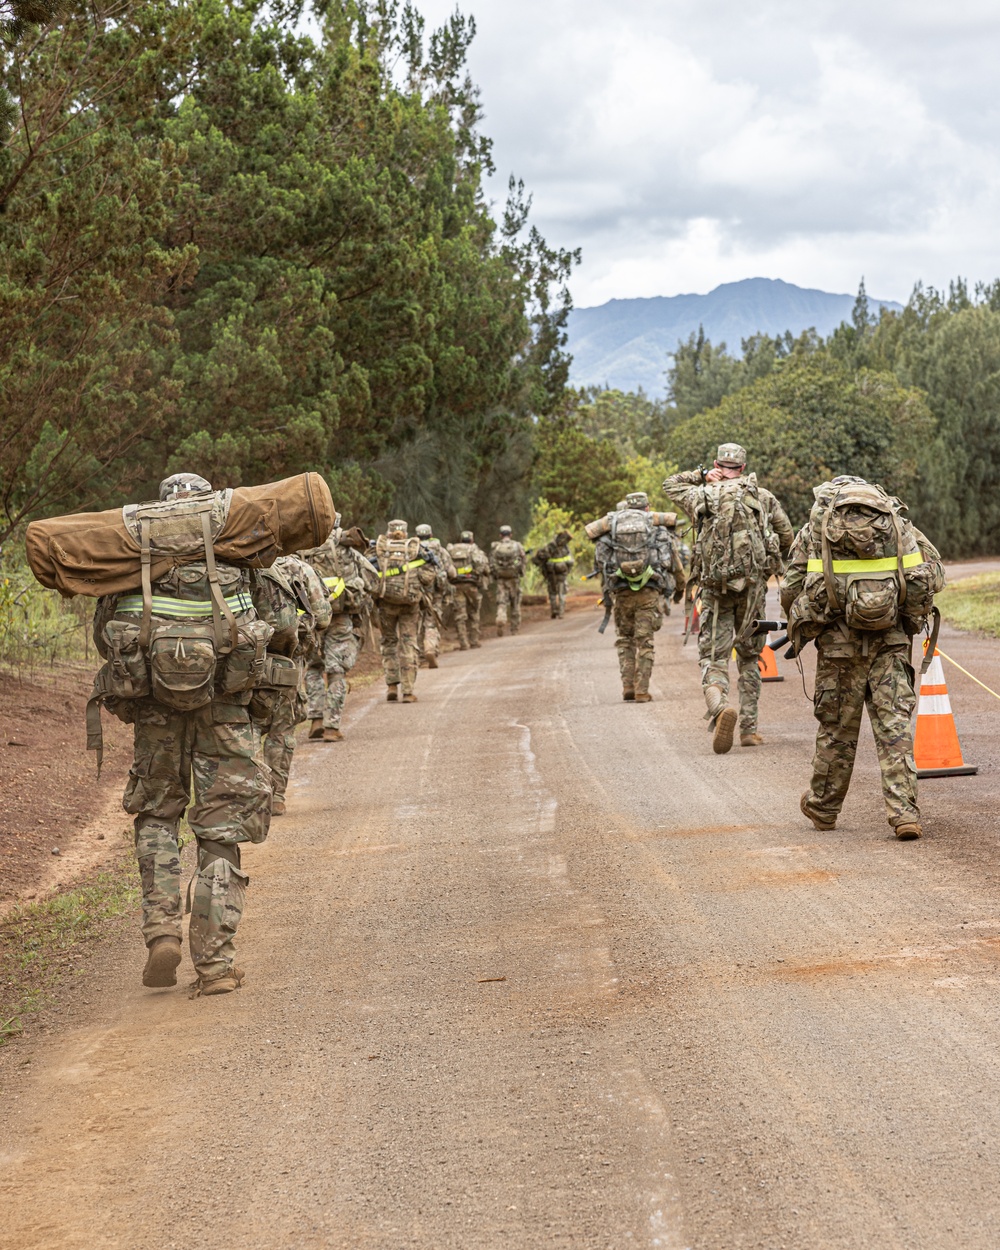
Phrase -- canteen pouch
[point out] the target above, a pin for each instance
(279, 674)
(182, 664)
(244, 666)
(127, 674)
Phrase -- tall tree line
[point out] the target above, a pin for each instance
(230, 246)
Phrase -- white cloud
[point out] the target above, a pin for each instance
(686, 144)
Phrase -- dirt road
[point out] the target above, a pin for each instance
(530, 967)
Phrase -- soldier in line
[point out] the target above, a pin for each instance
(406, 570)
(472, 577)
(742, 532)
(639, 567)
(508, 563)
(555, 561)
(861, 581)
(351, 581)
(435, 599)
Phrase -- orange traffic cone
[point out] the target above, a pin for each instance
(696, 616)
(936, 749)
(768, 665)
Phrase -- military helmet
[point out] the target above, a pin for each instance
(563, 536)
(846, 479)
(178, 485)
(397, 526)
(505, 531)
(637, 499)
(467, 537)
(731, 456)
(423, 531)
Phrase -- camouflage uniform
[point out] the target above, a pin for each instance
(555, 561)
(508, 588)
(350, 580)
(471, 579)
(725, 617)
(855, 670)
(638, 615)
(438, 595)
(399, 623)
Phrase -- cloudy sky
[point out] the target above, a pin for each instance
(684, 143)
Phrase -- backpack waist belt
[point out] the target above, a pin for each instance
(636, 583)
(464, 572)
(167, 605)
(888, 564)
(335, 585)
(560, 559)
(393, 572)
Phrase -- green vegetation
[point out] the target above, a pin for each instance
(36, 626)
(973, 603)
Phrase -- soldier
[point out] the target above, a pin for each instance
(508, 562)
(638, 564)
(742, 532)
(350, 580)
(555, 560)
(472, 577)
(863, 620)
(311, 606)
(406, 570)
(216, 748)
(438, 595)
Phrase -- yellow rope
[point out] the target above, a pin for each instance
(968, 674)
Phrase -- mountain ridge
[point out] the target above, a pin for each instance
(627, 343)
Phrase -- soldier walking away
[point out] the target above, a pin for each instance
(861, 581)
(299, 586)
(192, 642)
(639, 567)
(742, 533)
(351, 581)
(435, 599)
(555, 561)
(508, 562)
(472, 577)
(406, 569)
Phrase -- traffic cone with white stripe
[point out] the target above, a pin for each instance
(768, 665)
(936, 749)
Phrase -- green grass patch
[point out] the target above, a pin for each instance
(973, 603)
(43, 943)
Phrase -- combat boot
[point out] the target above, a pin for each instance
(277, 805)
(332, 735)
(909, 830)
(392, 693)
(824, 826)
(410, 697)
(725, 726)
(643, 696)
(432, 661)
(316, 728)
(229, 981)
(500, 629)
(161, 962)
(475, 644)
(752, 739)
(628, 694)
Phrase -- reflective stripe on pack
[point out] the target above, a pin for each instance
(637, 583)
(335, 585)
(886, 565)
(560, 559)
(464, 572)
(167, 605)
(413, 564)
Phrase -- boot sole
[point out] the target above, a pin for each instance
(160, 971)
(725, 727)
(821, 825)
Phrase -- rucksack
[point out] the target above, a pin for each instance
(865, 565)
(466, 560)
(399, 563)
(733, 547)
(505, 558)
(632, 552)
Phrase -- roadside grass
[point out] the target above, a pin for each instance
(38, 626)
(973, 603)
(41, 944)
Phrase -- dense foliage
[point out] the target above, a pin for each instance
(236, 249)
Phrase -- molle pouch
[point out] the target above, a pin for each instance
(127, 672)
(279, 673)
(872, 603)
(182, 664)
(244, 665)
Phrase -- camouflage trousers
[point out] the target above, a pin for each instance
(429, 635)
(279, 744)
(718, 638)
(468, 601)
(557, 595)
(217, 749)
(882, 681)
(400, 624)
(509, 602)
(638, 615)
(327, 669)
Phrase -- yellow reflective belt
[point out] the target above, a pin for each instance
(336, 585)
(166, 605)
(560, 559)
(464, 572)
(413, 564)
(886, 565)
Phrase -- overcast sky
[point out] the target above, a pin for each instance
(684, 143)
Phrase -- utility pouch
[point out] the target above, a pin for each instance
(244, 665)
(127, 672)
(182, 664)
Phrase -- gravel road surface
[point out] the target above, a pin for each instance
(529, 967)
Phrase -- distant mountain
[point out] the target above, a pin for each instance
(626, 343)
